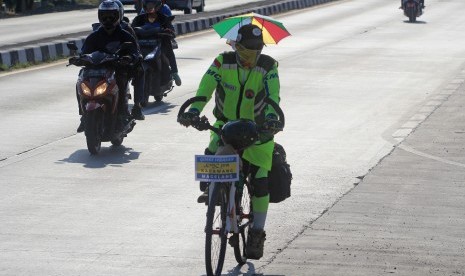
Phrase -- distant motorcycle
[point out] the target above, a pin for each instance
(412, 9)
(98, 97)
(158, 80)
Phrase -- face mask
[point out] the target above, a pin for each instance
(247, 58)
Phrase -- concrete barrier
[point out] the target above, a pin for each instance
(57, 49)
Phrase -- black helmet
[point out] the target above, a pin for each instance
(109, 14)
(240, 134)
(155, 5)
(121, 9)
(250, 37)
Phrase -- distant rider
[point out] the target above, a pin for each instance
(402, 2)
(153, 16)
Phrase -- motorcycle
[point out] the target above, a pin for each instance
(98, 97)
(412, 9)
(158, 81)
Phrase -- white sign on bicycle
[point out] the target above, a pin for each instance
(217, 168)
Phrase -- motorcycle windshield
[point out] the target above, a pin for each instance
(99, 57)
(149, 42)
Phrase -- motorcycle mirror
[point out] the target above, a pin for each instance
(95, 26)
(72, 46)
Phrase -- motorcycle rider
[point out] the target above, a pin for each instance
(137, 72)
(153, 16)
(422, 4)
(243, 79)
(165, 9)
(111, 33)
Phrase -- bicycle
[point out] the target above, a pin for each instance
(229, 212)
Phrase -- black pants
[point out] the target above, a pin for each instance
(168, 49)
(122, 82)
(138, 82)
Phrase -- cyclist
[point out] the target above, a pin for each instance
(242, 79)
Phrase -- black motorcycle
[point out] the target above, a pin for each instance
(412, 9)
(158, 81)
(98, 97)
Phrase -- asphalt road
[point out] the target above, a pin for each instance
(352, 75)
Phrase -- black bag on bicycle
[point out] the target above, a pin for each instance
(280, 176)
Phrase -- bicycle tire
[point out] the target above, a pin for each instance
(245, 218)
(215, 248)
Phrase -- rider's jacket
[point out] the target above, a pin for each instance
(100, 39)
(240, 93)
(162, 20)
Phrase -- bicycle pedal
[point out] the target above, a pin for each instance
(234, 240)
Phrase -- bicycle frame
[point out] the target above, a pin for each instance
(231, 217)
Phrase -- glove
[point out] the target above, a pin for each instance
(125, 60)
(75, 61)
(189, 118)
(272, 124)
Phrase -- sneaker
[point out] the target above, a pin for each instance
(255, 243)
(123, 123)
(177, 79)
(136, 113)
(82, 125)
(203, 198)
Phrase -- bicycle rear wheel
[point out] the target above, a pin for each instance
(215, 236)
(245, 218)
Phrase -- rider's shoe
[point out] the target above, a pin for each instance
(177, 79)
(255, 243)
(82, 125)
(123, 123)
(136, 113)
(203, 198)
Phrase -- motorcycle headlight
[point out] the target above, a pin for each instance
(101, 89)
(85, 89)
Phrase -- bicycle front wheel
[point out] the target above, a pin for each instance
(215, 234)
(245, 218)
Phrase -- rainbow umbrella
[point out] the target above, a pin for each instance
(273, 30)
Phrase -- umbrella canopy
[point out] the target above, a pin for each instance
(273, 30)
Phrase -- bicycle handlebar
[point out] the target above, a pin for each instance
(203, 123)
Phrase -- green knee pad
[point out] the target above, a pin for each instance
(260, 204)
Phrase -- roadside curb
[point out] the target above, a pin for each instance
(57, 49)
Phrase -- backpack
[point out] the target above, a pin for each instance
(280, 176)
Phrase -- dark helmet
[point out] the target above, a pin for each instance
(250, 37)
(109, 14)
(121, 9)
(153, 6)
(240, 134)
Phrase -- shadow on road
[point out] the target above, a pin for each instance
(108, 156)
(416, 22)
(161, 108)
(236, 271)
